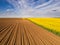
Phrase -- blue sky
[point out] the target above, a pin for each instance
(29, 8)
(4, 5)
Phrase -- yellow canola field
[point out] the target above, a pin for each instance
(50, 23)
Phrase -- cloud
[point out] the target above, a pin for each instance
(50, 8)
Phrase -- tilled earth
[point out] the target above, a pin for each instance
(24, 32)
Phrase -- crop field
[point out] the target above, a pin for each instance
(24, 32)
(52, 24)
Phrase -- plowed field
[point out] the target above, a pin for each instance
(24, 32)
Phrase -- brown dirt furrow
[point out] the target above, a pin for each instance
(4, 33)
(23, 32)
(36, 38)
(46, 35)
(18, 35)
(3, 26)
(12, 42)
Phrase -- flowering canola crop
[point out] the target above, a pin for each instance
(50, 23)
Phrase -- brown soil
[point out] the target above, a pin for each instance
(24, 32)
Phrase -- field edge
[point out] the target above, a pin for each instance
(50, 30)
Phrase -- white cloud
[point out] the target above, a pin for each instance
(23, 10)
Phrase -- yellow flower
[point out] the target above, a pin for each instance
(51, 23)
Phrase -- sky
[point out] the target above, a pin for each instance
(29, 8)
(4, 5)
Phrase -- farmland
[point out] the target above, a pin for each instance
(52, 24)
(24, 32)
